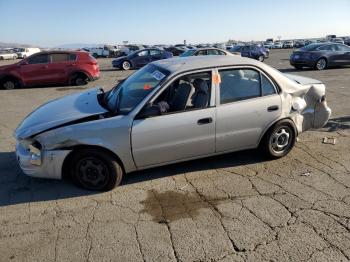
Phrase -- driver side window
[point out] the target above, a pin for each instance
(188, 92)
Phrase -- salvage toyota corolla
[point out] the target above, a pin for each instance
(169, 111)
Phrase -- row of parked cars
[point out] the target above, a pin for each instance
(14, 53)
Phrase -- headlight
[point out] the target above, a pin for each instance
(35, 153)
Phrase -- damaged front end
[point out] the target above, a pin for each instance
(308, 103)
(33, 151)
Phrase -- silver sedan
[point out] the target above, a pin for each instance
(169, 111)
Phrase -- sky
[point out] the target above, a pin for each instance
(52, 23)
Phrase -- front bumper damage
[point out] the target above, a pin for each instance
(46, 164)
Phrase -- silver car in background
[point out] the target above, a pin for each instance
(169, 111)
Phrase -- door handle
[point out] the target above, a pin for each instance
(272, 108)
(204, 121)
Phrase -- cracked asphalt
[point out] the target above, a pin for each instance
(234, 207)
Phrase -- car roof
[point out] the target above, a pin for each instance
(181, 64)
(60, 52)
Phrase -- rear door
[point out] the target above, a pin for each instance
(245, 51)
(59, 67)
(155, 54)
(248, 104)
(35, 71)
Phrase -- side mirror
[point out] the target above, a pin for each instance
(149, 111)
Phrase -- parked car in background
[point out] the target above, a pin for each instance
(277, 45)
(176, 51)
(140, 58)
(288, 44)
(321, 56)
(337, 40)
(216, 104)
(347, 41)
(28, 51)
(251, 51)
(299, 44)
(128, 49)
(7, 54)
(205, 51)
(268, 45)
(46, 68)
(105, 51)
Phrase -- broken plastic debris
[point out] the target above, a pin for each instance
(306, 174)
(329, 140)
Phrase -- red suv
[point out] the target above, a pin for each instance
(55, 67)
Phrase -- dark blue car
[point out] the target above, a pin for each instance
(140, 58)
(251, 51)
(321, 56)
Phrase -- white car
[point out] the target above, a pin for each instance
(28, 51)
(7, 54)
(277, 45)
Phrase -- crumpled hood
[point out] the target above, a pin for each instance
(60, 111)
(302, 79)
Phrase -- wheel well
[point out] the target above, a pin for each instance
(9, 77)
(76, 74)
(289, 121)
(68, 159)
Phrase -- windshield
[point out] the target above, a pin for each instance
(126, 96)
(188, 53)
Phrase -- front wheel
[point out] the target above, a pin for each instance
(261, 58)
(9, 84)
(321, 64)
(279, 140)
(126, 65)
(95, 170)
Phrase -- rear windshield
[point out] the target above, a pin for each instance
(310, 47)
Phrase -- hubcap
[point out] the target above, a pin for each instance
(321, 64)
(92, 172)
(280, 139)
(9, 85)
(126, 65)
(261, 58)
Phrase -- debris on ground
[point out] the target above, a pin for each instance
(329, 140)
(306, 174)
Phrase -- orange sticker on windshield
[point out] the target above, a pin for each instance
(216, 79)
(147, 87)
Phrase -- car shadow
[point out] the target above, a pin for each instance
(17, 188)
(338, 123)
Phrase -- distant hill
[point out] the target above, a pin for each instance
(76, 46)
(7, 45)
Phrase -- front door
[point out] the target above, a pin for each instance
(184, 130)
(36, 70)
(249, 103)
(142, 58)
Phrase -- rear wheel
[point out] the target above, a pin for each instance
(126, 65)
(95, 170)
(279, 139)
(321, 64)
(79, 79)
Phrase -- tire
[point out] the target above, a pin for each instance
(278, 140)
(95, 170)
(79, 79)
(95, 55)
(9, 84)
(299, 67)
(321, 64)
(261, 58)
(126, 65)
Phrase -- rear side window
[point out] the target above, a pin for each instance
(326, 48)
(59, 57)
(239, 84)
(39, 59)
(72, 57)
(267, 87)
(342, 48)
(213, 52)
(201, 52)
(155, 52)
